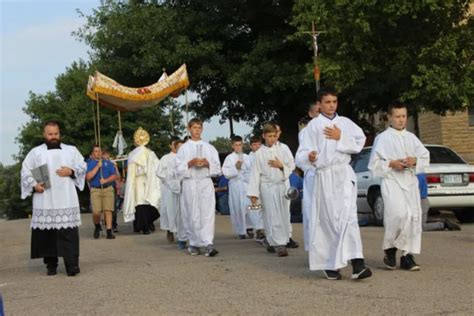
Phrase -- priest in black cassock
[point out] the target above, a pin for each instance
(51, 172)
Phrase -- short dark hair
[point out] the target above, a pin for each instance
(178, 141)
(324, 92)
(236, 138)
(395, 104)
(173, 139)
(51, 123)
(195, 121)
(255, 139)
(94, 146)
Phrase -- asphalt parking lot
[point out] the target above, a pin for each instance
(145, 275)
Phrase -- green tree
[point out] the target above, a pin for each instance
(252, 60)
(241, 59)
(11, 204)
(222, 144)
(375, 51)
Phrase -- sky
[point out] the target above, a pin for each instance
(37, 46)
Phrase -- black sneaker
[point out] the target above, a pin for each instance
(359, 270)
(269, 248)
(97, 231)
(390, 259)
(242, 237)
(408, 263)
(292, 244)
(332, 275)
(115, 229)
(109, 234)
(211, 251)
(450, 225)
(250, 233)
(260, 236)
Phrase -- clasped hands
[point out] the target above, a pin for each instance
(198, 162)
(401, 164)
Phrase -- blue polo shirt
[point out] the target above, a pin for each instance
(423, 185)
(297, 182)
(108, 169)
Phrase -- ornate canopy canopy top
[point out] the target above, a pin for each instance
(113, 95)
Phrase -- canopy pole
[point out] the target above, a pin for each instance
(98, 137)
(171, 118)
(187, 106)
(119, 121)
(95, 126)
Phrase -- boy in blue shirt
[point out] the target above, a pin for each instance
(101, 175)
(425, 207)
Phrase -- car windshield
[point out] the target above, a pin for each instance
(443, 155)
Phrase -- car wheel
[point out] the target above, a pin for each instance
(378, 208)
(465, 216)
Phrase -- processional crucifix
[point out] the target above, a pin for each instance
(317, 71)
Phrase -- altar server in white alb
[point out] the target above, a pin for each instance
(170, 219)
(309, 172)
(56, 214)
(236, 168)
(334, 236)
(255, 215)
(196, 162)
(397, 156)
(267, 186)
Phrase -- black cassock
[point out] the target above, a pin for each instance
(53, 243)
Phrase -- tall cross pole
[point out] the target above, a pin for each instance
(317, 70)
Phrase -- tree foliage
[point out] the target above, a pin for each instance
(375, 51)
(240, 57)
(252, 60)
(11, 205)
(222, 144)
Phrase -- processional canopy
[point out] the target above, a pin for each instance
(118, 97)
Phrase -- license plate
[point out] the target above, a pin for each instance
(452, 178)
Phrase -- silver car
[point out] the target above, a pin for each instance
(450, 184)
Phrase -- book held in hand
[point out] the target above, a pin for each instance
(41, 175)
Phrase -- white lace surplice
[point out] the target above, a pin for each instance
(57, 207)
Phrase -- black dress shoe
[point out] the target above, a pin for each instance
(73, 271)
(51, 271)
(292, 244)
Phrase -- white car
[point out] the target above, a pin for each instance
(450, 184)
